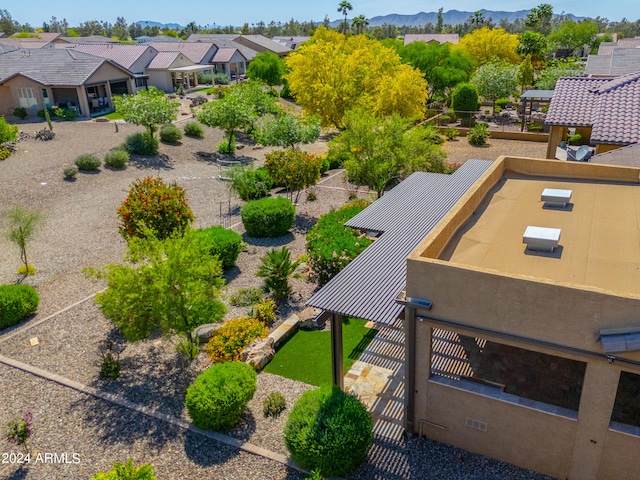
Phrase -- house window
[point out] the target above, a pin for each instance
(484, 366)
(27, 98)
(141, 82)
(626, 409)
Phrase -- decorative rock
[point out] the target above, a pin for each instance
(309, 319)
(259, 353)
(203, 332)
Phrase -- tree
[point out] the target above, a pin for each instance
(381, 151)
(21, 225)
(172, 284)
(539, 18)
(464, 100)
(496, 79)
(239, 108)
(532, 43)
(574, 36)
(548, 77)
(7, 24)
(360, 23)
(120, 29)
(485, 44)
(440, 21)
(333, 73)
(149, 108)
(267, 67)
(525, 73)
(343, 8)
(443, 67)
(286, 130)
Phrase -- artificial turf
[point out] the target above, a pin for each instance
(307, 355)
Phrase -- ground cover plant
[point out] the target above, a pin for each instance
(329, 430)
(306, 357)
(228, 341)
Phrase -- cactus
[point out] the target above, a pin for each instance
(48, 117)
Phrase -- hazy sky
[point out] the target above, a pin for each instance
(208, 12)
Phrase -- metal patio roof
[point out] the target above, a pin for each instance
(367, 287)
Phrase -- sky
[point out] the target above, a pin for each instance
(209, 12)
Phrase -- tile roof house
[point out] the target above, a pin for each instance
(452, 38)
(260, 44)
(249, 45)
(88, 39)
(132, 57)
(200, 53)
(32, 43)
(605, 111)
(620, 61)
(33, 78)
(169, 69)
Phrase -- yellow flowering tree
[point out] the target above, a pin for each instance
(487, 43)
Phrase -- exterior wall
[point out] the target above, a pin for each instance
(23, 82)
(621, 458)
(107, 72)
(161, 79)
(140, 65)
(600, 148)
(6, 100)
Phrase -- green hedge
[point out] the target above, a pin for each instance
(223, 243)
(17, 302)
(328, 430)
(268, 217)
(219, 395)
(331, 245)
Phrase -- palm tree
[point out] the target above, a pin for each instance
(344, 7)
(360, 23)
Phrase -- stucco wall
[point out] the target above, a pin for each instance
(161, 79)
(106, 72)
(621, 459)
(6, 101)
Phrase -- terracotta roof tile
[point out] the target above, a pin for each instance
(573, 100)
(616, 111)
(123, 54)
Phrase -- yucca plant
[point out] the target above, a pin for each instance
(276, 269)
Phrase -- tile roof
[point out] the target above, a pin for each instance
(224, 54)
(163, 60)
(52, 67)
(453, 38)
(24, 43)
(606, 48)
(621, 62)
(221, 40)
(573, 100)
(264, 42)
(89, 39)
(196, 52)
(616, 112)
(629, 42)
(123, 54)
(7, 48)
(41, 37)
(628, 156)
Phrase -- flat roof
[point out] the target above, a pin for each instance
(600, 242)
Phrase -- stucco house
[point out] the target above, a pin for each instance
(35, 78)
(605, 111)
(518, 285)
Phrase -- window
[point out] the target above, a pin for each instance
(141, 82)
(626, 409)
(27, 98)
(487, 366)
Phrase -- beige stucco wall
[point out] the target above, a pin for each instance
(161, 79)
(106, 72)
(23, 82)
(621, 459)
(6, 101)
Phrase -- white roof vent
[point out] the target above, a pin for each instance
(541, 238)
(555, 197)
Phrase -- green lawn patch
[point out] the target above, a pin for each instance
(307, 355)
(113, 116)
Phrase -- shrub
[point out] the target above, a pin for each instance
(16, 303)
(574, 139)
(88, 162)
(110, 366)
(276, 269)
(478, 135)
(223, 243)
(127, 472)
(221, 79)
(293, 168)
(170, 134)
(464, 99)
(219, 395)
(194, 129)
(274, 404)
(228, 341)
(70, 172)
(21, 113)
(45, 135)
(8, 132)
(116, 158)
(268, 217)
(250, 183)
(141, 144)
(265, 312)
(41, 114)
(432, 135)
(328, 430)
(502, 103)
(246, 297)
(204, 78)
(331, 245)
(153, 204)
(451, 133)
(4, 153)
(65, 113)
(19, 430)
(226, 149)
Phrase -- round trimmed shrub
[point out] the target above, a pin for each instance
(219, 395)
(328, 430)
(88, 163)
(141, 144)
(194, 129)
(116, 158)
(221, 242)
(70, 172)
(170, 134)
(228, 341)
(17, 302)
(268, 217)
(153, 204)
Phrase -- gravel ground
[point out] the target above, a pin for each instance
(81, 231)
(460, 150)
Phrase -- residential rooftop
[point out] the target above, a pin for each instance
(599, 245)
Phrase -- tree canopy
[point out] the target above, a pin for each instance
(149, 108)
(574, 35)
(496, 79)
(287, 130)
(334, 73)
(487, 43)
(267, 67)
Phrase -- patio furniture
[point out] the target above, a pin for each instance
(95, 104)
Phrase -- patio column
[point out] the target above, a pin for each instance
(83, 102)
(336, 350)
(409, 367)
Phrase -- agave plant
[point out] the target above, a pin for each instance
(276, 269)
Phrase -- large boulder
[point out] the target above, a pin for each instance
(259, 353)
(203, 332)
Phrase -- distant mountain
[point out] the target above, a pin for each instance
(150, 23)
(452, 17)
